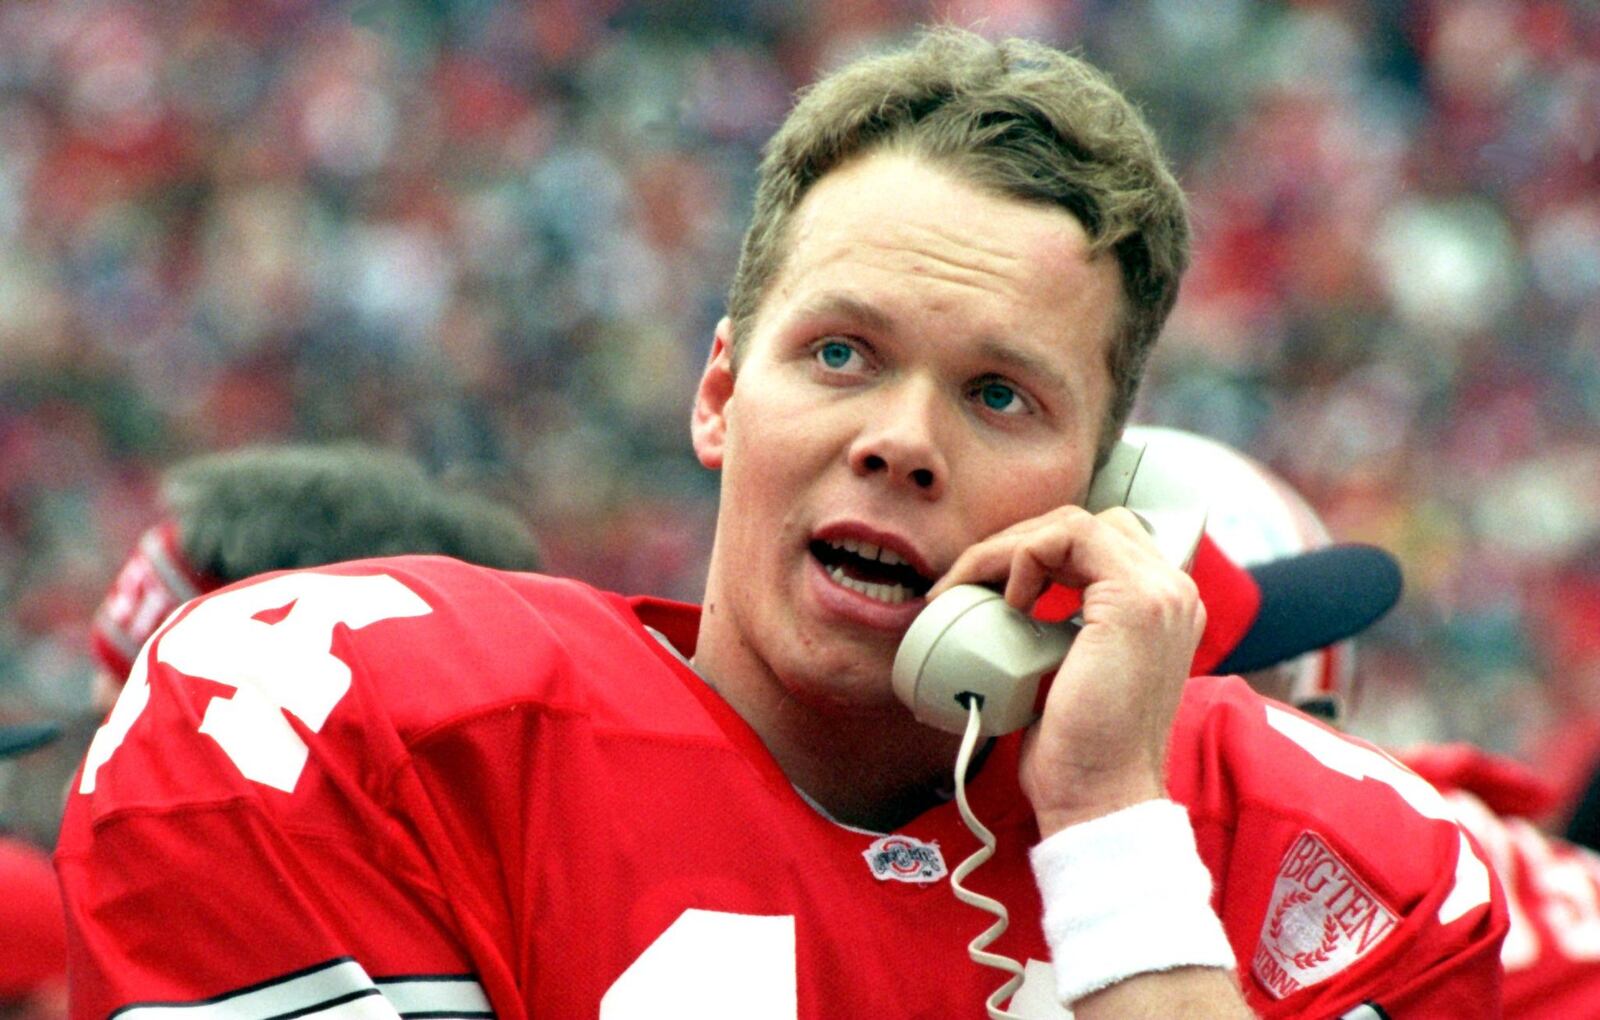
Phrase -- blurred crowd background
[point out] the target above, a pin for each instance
(498, 236)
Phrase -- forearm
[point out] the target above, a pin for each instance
(1210, 992)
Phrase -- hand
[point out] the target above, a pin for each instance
(1101, 742)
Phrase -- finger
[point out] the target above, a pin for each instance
(1035, 564)
(1087, 549)
(987, 561)
(991, 558)
(1131, 524)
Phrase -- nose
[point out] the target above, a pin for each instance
(900, 440)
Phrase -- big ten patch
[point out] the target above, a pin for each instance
(1322, 918)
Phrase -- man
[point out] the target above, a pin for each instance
(1551, 953)
(413, 787)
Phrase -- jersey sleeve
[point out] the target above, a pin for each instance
(1346, 884)
(247, 830)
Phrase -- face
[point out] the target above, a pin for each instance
(928, 368)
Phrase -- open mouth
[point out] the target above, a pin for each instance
(873, 571)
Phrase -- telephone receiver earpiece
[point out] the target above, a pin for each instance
(969, 643)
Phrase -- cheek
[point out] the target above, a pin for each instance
(779, 434)
(1002, 491)
(769, 456)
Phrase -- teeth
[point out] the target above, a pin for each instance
(868, 551)
(894, 594)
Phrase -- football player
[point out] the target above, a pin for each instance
(414, 787)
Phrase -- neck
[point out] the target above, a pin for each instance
(867, 771)
(872, 767)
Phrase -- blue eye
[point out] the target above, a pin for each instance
(835, 353)
(997, 396)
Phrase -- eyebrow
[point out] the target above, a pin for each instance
(844, 306)
(1025, 364)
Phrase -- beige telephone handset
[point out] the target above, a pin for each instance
(968, 641)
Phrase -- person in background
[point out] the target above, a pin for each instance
(415, 786)
(1565, 617)
(1551, 953)
(251, 511)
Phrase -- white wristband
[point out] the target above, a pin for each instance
(1127, 894)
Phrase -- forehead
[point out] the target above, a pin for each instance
(896, 196)
(907, 231)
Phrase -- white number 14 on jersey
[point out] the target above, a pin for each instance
(272, 643)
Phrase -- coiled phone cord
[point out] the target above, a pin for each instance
(978, 947)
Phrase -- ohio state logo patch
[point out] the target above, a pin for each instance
(1322, 918)
(904, 859)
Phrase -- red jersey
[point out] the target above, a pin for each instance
(33, 941)
(1552, 950)
(416, 787)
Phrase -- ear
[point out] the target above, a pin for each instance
(709, 424)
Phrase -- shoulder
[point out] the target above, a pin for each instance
(339, 671)
(1338, 868)
(1246, 763)
(419, 638)
(1233, 747)
(430, 636)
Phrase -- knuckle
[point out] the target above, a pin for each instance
(1187, 589)
(1181, 592)
(1170, 595)
(1121, 516)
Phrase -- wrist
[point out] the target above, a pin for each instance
(1127, 894)
(1052, 817)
